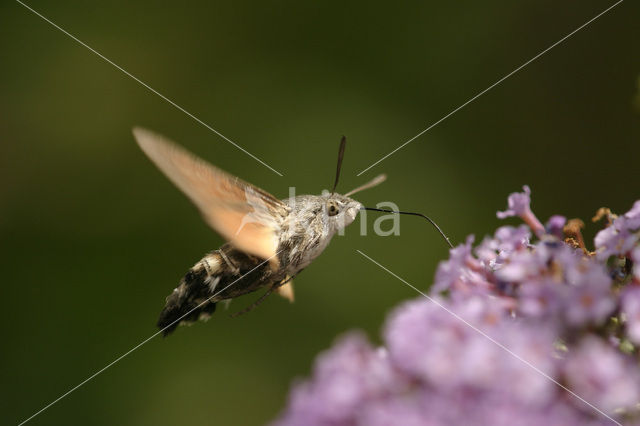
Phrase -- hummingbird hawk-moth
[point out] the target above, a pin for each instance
(269, 241)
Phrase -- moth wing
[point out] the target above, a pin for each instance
(286, 291)
(243, 214)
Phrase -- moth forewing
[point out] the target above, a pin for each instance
(244, 215)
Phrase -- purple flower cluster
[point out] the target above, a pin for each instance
(516, 331)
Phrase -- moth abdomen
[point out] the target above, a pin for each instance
(191, 300)
(222, 274)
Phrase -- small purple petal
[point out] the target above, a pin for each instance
(602, 375)
(555, 226)
(344, 378)
(635, 257)
(461, 271)
(542, 299)
(615, 240)
(631, 309)
(633, 216)
(620, 237)
(518, 204)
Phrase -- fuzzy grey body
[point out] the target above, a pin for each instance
(304, 231)
(309, 227)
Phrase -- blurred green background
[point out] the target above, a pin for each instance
(93, 237)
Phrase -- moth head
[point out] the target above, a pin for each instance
(339, 210)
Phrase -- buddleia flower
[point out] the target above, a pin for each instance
(518, 330)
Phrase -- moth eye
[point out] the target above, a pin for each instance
(333, 210)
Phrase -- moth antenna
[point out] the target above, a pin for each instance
(413, 214)
(373, 182)
(343, 143)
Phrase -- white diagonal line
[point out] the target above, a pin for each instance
(500, 345)
(150, 88)
(138, 345)
(493, 85)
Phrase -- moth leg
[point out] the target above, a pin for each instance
(262, 298)
(228, 261)
(254, 304)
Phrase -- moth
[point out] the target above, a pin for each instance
(269, 241)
